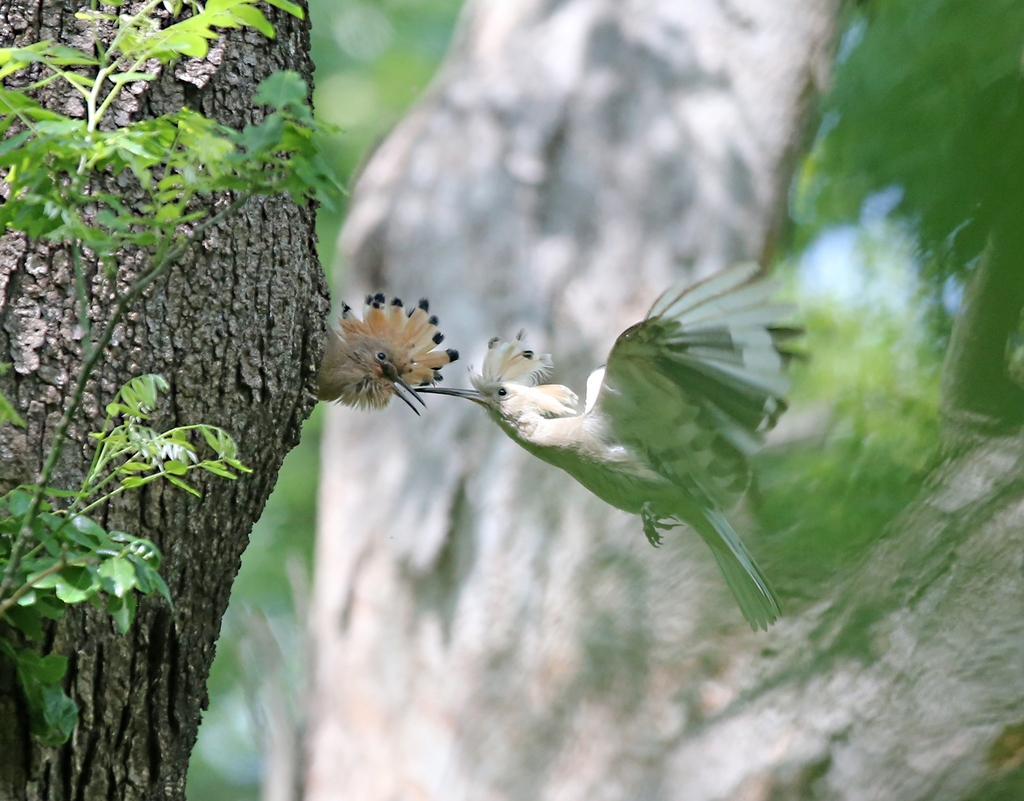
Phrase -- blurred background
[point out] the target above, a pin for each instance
(918, 150)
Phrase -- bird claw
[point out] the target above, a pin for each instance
(652, 524)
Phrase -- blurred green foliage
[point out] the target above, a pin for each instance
(863, 428)
(373, 59)
(928, 96)
(925, 126)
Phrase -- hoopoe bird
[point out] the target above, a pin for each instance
(668, 423)
(388, 352)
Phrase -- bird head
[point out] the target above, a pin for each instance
(507, 384)
(388, 352)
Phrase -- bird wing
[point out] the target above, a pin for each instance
(699, 381)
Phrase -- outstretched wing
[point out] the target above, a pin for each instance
(699, 381)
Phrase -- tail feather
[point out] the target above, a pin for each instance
(748, 584)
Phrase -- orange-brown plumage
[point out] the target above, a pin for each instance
(386, 352)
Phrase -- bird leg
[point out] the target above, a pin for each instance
(653, 525)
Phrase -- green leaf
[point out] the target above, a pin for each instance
(76, 583)
(49, 606)
(59, 716)
(14, 142)
(119, 576)
(290, 8)
(19, 503)
(175, 468)
(86, 532)
(28, 55)
(27, 620)
(187, 487)
(282, 88)
(53, 492)
(263, 137)
(138, 546)
(122, 610)
(60, 127)
(138, 397)
(67, 56)
(161, 587)
(48, 669)
(168, 212)
(8, 413)
(28, 598)
(253, 17)
(143, 574)
(185, 44)
(53, 715)
(92, 16)
(47, 582)
(131, 77)
(220, 441)
(217, 469)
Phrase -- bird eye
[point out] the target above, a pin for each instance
(502, 392)
(382, 357)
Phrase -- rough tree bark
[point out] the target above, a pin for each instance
(236, 329)
(485, 628)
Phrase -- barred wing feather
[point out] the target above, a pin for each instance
(697, 383)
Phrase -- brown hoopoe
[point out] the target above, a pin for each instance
(386, 353)
(668, 423)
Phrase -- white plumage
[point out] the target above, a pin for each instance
(686, 395)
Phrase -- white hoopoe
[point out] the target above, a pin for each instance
(387, 353)
(668, 423)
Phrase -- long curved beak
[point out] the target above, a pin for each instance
(468, 394)
(407, 394)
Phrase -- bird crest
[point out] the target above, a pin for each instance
(388, 352)
(512, 362)
(412, 335)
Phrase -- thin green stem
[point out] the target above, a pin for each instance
(142, 482)
(83, 300)
(113, 93)
(32, 552)
(94, 468)
(141, 283)
(92, 120)
(132, 22)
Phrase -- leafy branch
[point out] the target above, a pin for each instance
(71, 558)
(64, 179)
(95, 354)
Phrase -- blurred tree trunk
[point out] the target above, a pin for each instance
(485, 628)
(236, 329)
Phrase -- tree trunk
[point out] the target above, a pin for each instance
(236, 329)
(485, 628)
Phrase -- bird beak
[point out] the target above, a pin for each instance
(468, 394)
(407, 394)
